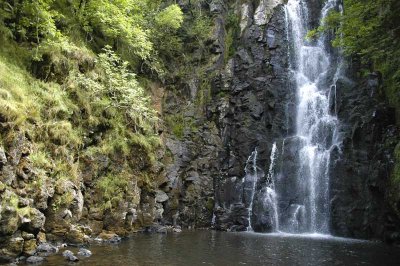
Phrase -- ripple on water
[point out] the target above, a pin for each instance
(221, 248)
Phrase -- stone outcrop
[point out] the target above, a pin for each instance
(255, 110)
(361, 171)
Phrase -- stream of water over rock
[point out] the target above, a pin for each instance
(298, 201)
(316, 125)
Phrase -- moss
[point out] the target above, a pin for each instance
(113, 188)
(65, 170)
(40, 159)
(232, 29)
(65, 200)
(396, 175)
(210, 204)
(176, 123)
(394, 195)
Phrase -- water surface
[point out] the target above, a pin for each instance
(221, 248)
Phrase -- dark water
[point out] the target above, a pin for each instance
(218, 248)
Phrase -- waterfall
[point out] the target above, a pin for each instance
(251, 177)
(270, 177)
(270, 196)
(316, 126)
(267, 195)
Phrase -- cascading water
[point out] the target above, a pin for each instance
(270, 196)
(251, 177)
(316, 126)
(267, 196)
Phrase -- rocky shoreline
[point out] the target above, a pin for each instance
(77, 252)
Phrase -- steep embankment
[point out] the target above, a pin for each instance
(71, 163)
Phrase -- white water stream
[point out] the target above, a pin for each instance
(316, 126)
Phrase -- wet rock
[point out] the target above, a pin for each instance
(109, 237)
(76, 236)
(47, 248)
(34, 259)
(359, 179)
(9, 222)
(13, 248)
(3, 158)
(84, 252)
(177, 230)
(30, 247)
(162, 230)
(156, 228)
(69, 255)
(161, 196)
(36, 220)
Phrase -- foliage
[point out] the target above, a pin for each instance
(370, 30)
(69, 73)
(171, 17)
(113, 188)
(232, 33)
(114, 86)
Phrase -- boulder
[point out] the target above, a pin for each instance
(34, 260)
(109, 237)
(37, 220)
(30, 247)
(69, 255)
(84, 252)
(76, 236)
(161, 196)
(9, 222)
(47, 248)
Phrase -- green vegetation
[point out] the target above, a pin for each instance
(113, 188)
(178, 123)
(69, 82)
(369, 31)
(232, 34)
(66, 83)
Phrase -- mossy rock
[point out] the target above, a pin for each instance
(30, 247)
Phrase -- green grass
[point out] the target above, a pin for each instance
(72, 119)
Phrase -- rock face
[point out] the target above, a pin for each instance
(252, 106)
(254, 112)
(361, 172)
(249, 108)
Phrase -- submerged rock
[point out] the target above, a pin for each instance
(69, 255)
(177, 230)
(34, 259)
(84, 252)
(47, 248)
(109, 237)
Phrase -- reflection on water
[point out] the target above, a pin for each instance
(219, 248)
